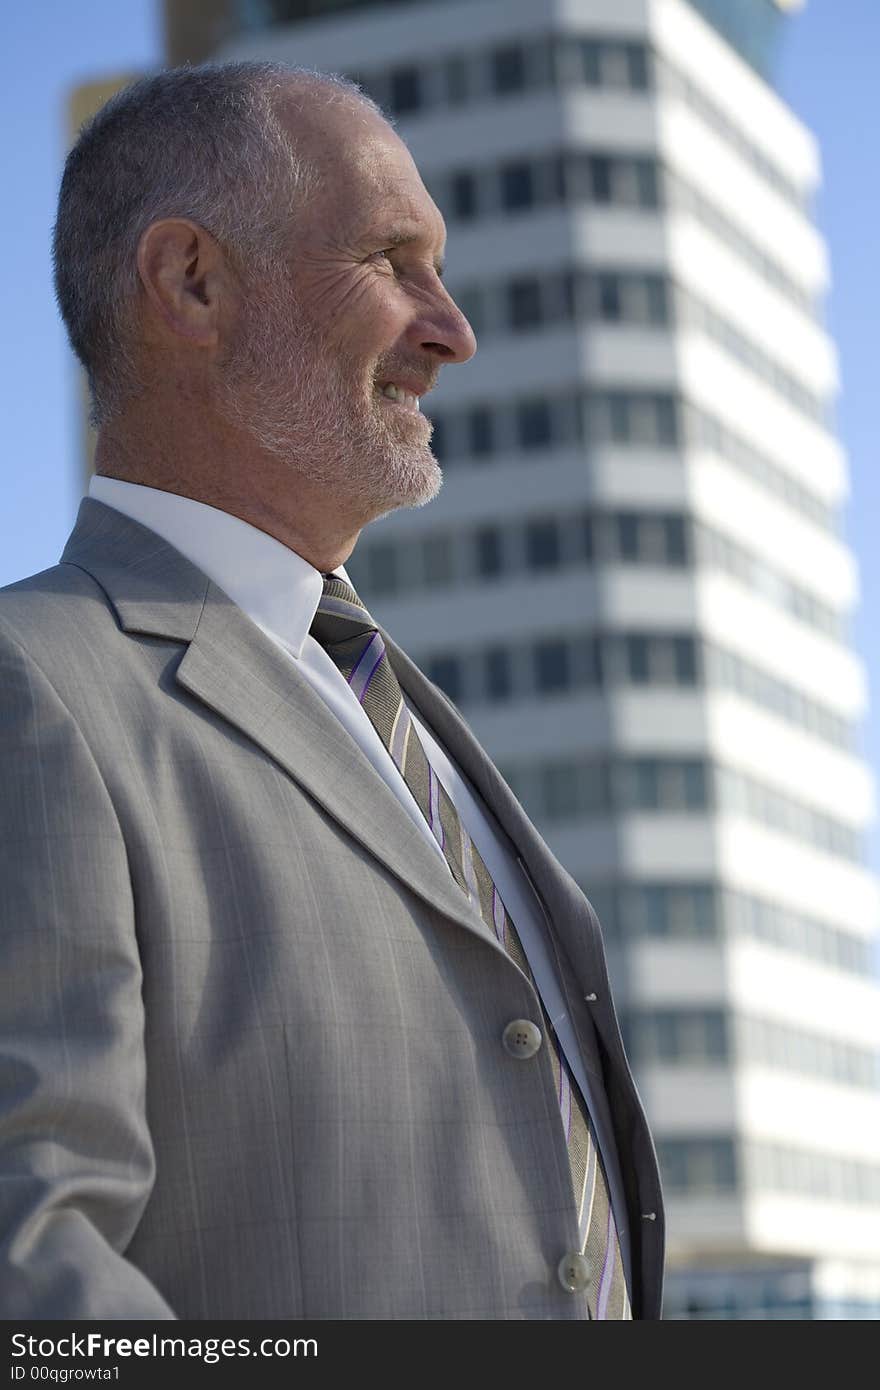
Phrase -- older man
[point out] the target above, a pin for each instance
(299, 1017)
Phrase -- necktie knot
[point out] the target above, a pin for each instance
(340, 614)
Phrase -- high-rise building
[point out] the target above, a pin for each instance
(634, 581)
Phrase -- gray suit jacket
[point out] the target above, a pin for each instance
(250, 1030)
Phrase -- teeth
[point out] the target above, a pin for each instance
(397, 393)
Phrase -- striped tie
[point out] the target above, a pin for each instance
(344, 627)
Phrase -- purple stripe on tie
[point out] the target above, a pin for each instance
(363, 672)
(607, 1269)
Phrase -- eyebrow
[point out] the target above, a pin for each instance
(396, 236)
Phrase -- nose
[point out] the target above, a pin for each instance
(443, 330)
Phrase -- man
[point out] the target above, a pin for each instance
(300, 1017)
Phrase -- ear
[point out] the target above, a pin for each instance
(185, 275)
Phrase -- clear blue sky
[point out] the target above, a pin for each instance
(829, 75)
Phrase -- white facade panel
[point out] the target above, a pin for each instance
(777, 753)
(754, 410)
(734, 616)
(763, 862)
(689, 1099)
(809, 1226)
(730, 500)
(706, 161)
(791, 989)
(708, 268)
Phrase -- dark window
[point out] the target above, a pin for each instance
(524, 303)
(667, 420)
(619, 410)
(628, 536)
(609, 297)
(487, 543)
(646, 177)
(438, 438)
(637, 63)
(382, 568)
(437, 559)
(587, 539)
(463, 188)
(405, 90)
(552, 666)
(591, 62)
(694, 785)
(445, 671)
(637, 660)
(534, 427)
(542, 545)
(600, 178)
(517, 186)
(508, 69)
(657, 299)
(480, 431)
(685, 649)
(675, 539)
(499, 677)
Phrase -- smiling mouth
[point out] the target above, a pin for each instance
(400, 400)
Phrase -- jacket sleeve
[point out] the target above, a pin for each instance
(76, 1159)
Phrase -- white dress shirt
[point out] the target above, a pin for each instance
(280, 592)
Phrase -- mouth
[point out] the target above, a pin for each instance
(399, 397)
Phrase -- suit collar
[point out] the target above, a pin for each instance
(234, 669)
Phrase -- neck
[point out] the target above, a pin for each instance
(213, 462)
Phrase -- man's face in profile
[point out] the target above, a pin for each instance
(358, 305)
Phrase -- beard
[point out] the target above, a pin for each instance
(320, 414)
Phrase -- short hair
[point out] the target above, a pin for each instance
(203, 142)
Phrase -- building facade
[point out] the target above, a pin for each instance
(634, 581)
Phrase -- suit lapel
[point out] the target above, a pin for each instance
(234, 669)
(559, 895)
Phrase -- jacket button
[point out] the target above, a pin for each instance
(521, 1038)
(574, 1272)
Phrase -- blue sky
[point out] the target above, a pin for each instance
(828, 74)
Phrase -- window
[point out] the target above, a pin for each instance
(488, 551)
(609, 297)
(445, 671)
(534, 426)
(405, 90)
(637, 64)
(599, 169)
(542, 545)
(382, 576)
(499, 676)
(637, 653)
(480, 431)
(463, 191)
(517, 186)
(524, 303)
(437, 559)
(551, 666)
(508, 69)
(685, 660)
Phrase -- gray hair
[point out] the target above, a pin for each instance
(201, 142)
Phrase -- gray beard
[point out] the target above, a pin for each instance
(279, 388)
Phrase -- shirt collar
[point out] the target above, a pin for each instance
(275, 587)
